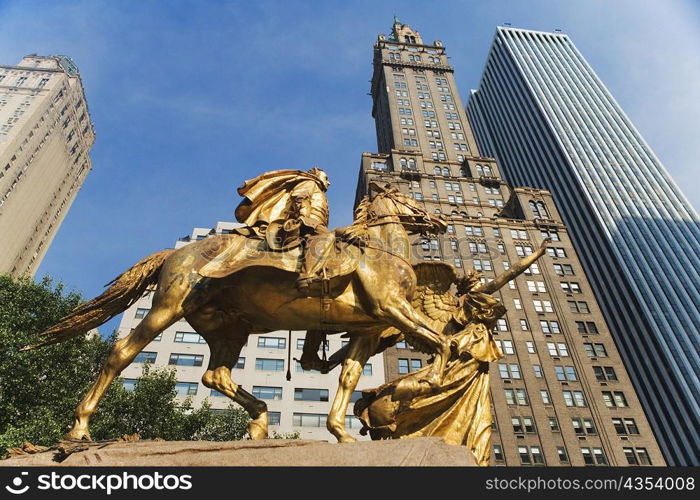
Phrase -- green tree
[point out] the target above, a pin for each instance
(39, 389)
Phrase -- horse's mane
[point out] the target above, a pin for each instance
(362, 212)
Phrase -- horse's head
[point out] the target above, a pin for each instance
(390, 203)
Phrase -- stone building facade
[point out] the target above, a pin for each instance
(45, 137)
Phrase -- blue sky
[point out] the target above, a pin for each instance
(189, 98)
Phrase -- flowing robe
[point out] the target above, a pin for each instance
(460, 412)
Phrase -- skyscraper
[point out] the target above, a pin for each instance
(560, 394)
(45, 137)
(541, 110)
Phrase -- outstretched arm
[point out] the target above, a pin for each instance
(514, 271)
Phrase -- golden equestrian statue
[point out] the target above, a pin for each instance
(230, 286)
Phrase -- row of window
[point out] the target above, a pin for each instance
(563, 373)
(519, 397)
(396, 56)
(555, 349)
(582, 426)
(261, 364)
(532, 455)
(549, 326)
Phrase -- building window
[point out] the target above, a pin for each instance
(186, 388)
(553, 424)
(530, 347)
(570, 287)
(186, 359)
(625, 426)
(240, 364)
(523, 325)
(574, 398)
(146, 357)
(506, 346)
(367, 369)
(273, 417)
(595, 349)
(565, 373)
(556, 252)
(309, 420)
(579, 307)
(502, 325)
(516, 397)
(557, 349)
(550, 326)
(563, 457)
(551, 234)
(563, 269)
(498, 453)
(141, 312)
(583, 426)
(523, 250)
(301, 394)
(129, 383)
(544, 393)
(509, 370)
(268, 364)
(474, 230)
(614, 399)
(605, 373)
(530, 455)
(189, 338)
(542, 306)
(538, 371)
(586, 328)
(523, 425)
(264, 392)
(352, 422)
(536, 287)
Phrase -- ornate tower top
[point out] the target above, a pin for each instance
(404, 33)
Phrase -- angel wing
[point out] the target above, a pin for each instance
(433, 297)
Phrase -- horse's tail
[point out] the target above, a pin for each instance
(125, 289)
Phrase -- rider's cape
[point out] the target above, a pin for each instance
(266, 197)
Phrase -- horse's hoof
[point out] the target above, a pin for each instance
(257, 429)
(78, 435)
(347, 439)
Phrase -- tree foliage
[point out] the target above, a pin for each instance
(39, 389)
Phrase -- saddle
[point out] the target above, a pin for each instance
(235, 252)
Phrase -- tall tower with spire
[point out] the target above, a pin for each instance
(561, 394)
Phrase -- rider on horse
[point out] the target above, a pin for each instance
(295, 204)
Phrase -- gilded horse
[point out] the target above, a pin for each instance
(257, 294)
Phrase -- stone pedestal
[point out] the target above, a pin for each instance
(270, 452)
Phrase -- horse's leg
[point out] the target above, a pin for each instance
(360, 349)
(403, 316)
(166, 309)
(224, 355)
(309, 356)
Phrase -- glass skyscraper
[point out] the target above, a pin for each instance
(541, 110)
